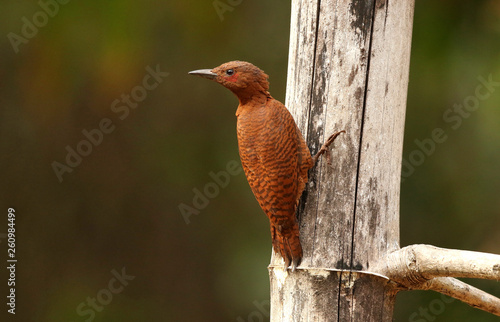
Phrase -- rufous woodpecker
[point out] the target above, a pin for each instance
(273, 152)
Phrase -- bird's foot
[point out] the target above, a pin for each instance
(324, 148)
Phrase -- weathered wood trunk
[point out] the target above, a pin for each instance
(348, 70)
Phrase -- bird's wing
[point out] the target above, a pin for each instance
(273, 162)
(269, 151)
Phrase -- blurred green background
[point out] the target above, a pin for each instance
(119, 207)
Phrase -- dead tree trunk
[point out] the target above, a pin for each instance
(348, 70)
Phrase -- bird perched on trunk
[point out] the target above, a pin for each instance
(273, 152)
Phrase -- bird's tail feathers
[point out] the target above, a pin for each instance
(287, 244)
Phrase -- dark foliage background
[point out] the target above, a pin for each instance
(119, 208)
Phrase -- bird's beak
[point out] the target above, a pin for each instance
(205, 73)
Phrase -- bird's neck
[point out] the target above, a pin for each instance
(253, 102)
(253, 97)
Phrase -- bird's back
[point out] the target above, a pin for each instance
(276, 160)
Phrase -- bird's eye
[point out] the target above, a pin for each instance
(230, 72)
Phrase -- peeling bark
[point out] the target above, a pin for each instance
(348, 70)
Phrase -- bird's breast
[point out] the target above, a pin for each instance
(251, 127)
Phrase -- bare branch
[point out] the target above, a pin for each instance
(416, 264)
(464, 292)
(425, 267)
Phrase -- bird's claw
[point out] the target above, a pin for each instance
(332, 138)
(325, 148)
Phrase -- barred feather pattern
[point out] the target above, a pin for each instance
(273, 153)
(276, 161)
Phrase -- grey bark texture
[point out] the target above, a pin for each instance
(348, 70)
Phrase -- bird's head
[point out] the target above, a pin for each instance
(243, 79)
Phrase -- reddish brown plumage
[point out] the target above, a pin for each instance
(276, 160)
(273, 153)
